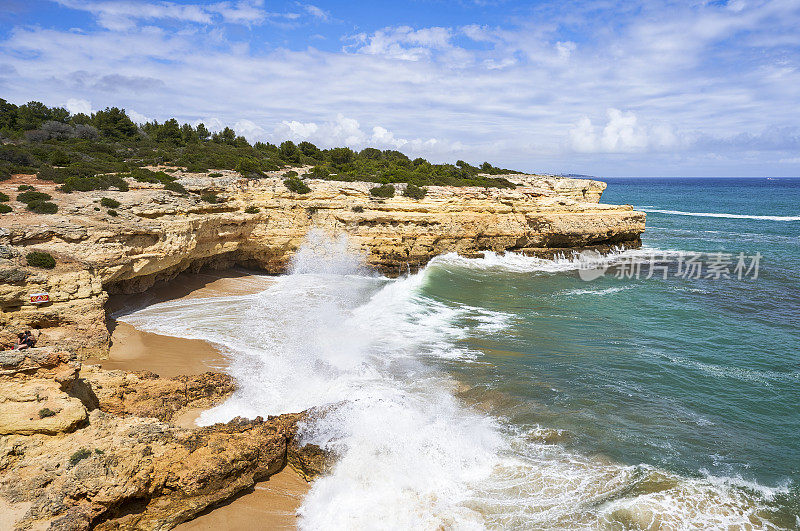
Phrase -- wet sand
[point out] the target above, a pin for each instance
(271, 504)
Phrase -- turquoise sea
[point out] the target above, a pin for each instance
(508, 392)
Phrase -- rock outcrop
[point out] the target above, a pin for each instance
(107, 455)
(259, 223)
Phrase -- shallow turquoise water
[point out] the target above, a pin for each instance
(694, 376)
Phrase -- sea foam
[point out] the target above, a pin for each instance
(721, 215)
(360, 352)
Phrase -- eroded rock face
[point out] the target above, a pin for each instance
(125, 465)
(159, 234)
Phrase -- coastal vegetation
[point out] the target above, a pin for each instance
(296, 185)
(83, 152)
(40, 259)
(384, 190)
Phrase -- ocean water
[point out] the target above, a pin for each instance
(508, 392)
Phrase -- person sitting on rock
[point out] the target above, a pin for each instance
(22, 342)
(30, 339)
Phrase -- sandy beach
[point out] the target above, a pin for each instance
(270, 504)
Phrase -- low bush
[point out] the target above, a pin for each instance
(59, 158)
(249, 167)
(79, 456)
(174, 186)
(143, 175)
(289, 174)
(296, 185)
(318, 172)
(46, 412)
(42, 207)
(384, 190)
(215, 174)
(98, 182)
(33, 195)
(3, 197)
(113, 213)
(358, 209)
(415, 192)
(109, 203)
(210, 198)
(5, 209)
(252, 210)
(40, 259)
(24, 187)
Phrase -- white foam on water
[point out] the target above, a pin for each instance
(721, 215)
(606, 291)
(518, 263)
(360, 351)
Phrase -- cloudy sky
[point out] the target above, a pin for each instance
(627, 88)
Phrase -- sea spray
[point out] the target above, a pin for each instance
(364, 353)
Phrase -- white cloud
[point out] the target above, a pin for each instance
(76, 106)
(138, 118)
(404, 42)
(344, 131)
(120, 15)
(316, 12)
(123, 15)
(687, 83)
(249, 129)
(622, 133)
(565, 48)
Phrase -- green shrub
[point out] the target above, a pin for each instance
(59, 158)
(289, 174)
(384, 190)
(296, 185)
(415, 192)
(3, 197)
(46, 412)
(358, 209)
(210, 198)
(109, 203)
(23, 187)
(252, 210)
(33, 195)
(42, 207)
(40, 259)
(215, 174)
(98, 182)
(5, 209)
(113, 213)
(318, 172)
(174, 186)
(79, 456)
(248, 166)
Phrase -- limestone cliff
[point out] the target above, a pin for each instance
(85, 448)
(259, 223)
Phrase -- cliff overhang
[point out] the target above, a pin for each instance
(260, 224)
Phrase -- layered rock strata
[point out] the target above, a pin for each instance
(96, 449)
(259, 223)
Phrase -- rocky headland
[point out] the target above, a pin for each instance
(82, 447)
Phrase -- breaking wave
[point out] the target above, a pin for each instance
(361, 352)
(721, 215)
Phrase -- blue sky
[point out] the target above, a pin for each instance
(604, 88)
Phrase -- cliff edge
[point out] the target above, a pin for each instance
(225, 220)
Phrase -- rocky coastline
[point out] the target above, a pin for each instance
(82, 447)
